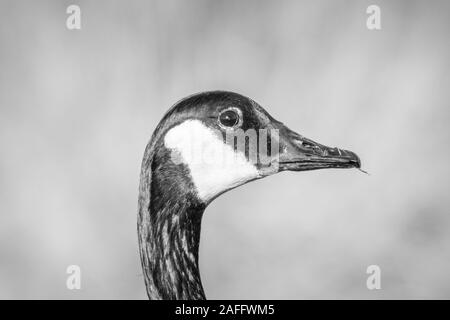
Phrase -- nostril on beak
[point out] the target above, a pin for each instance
(307, 144)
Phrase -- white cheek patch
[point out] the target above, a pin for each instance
(214, 166)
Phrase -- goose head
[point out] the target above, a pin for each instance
(221, 140)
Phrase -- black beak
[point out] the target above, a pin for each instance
(298, 153)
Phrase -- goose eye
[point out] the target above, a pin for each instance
(229, 118)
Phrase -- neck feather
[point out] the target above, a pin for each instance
(169, 224)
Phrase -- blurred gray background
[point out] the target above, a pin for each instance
(78, 107)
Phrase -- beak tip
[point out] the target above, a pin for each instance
(354, 159)
(357, 161)
(350, 156)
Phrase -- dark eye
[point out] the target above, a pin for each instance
(229, 118)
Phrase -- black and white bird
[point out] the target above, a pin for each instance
(189, 162)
